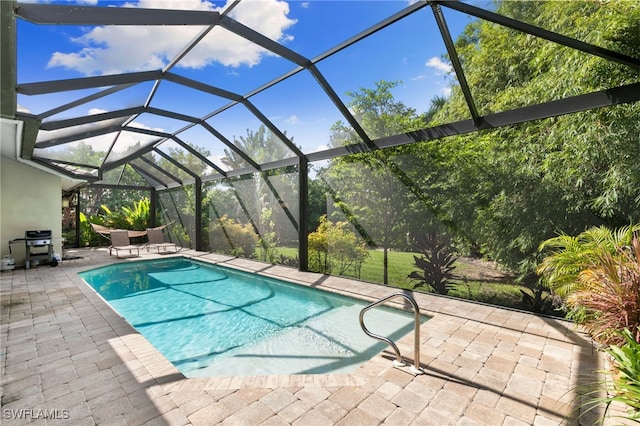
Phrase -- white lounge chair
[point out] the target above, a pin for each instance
(120, 241)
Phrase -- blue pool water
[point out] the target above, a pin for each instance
(214, 321)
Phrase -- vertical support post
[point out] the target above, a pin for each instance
(198, 213)
(152, 208)
(77, 206)
(8, 59)
(303, 203)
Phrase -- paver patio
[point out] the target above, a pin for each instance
(68, 358)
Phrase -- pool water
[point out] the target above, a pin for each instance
(212, 321)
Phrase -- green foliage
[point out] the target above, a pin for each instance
(609, 292)
(511, 188)
(317, 203)
(188, 160)
(262, 146)
(268, 242)
(275, 190)
(371, 189)
(89, 238)
(597, 273)
(227, 236)
(537, 299)
(470, 284)
(566, 256)
(176, 207)
(380, 114)
(318, 243)
(136, 216)
(335, 248)
(436, 263)
(624, 374)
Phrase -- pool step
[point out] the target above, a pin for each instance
(314, 347)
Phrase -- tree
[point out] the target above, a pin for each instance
(517, 186)
(436, 105)
(187, 160)
(272, 193)
(317, 203)
(262, 146)
(370, 188)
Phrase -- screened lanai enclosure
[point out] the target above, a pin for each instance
(322, 134)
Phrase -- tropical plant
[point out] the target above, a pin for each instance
(568, 255)
(89, 238)
(626, 369)
(623, 385)
(135, 216)
(609, 292)
(436, 264)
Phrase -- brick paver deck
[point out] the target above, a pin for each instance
(68, 358)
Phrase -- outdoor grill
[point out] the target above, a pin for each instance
(37, 238)
(36, 243)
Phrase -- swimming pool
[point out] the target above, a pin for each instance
(212, 321)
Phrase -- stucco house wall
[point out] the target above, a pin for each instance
(30, 199)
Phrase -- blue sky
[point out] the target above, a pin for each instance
(409, 51)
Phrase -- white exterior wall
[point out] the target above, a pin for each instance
(30, 199)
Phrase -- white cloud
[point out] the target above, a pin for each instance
(116, 49)
(89, 2)
(439, 65)
(292, 119)
(446, 91)
(94, 111)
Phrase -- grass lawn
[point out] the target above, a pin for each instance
(476, 280)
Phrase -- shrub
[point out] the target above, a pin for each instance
(570, 256)
(626, 369)
(624, 374)
(609, 293)
(436, 265)
(334, 247)
(268, 241)
(227, 236)
(319, 248)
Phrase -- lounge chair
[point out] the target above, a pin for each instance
(156, 240)
(120, 241)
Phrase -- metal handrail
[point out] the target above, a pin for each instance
(416, 332)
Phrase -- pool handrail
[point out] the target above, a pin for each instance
(415, 368)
